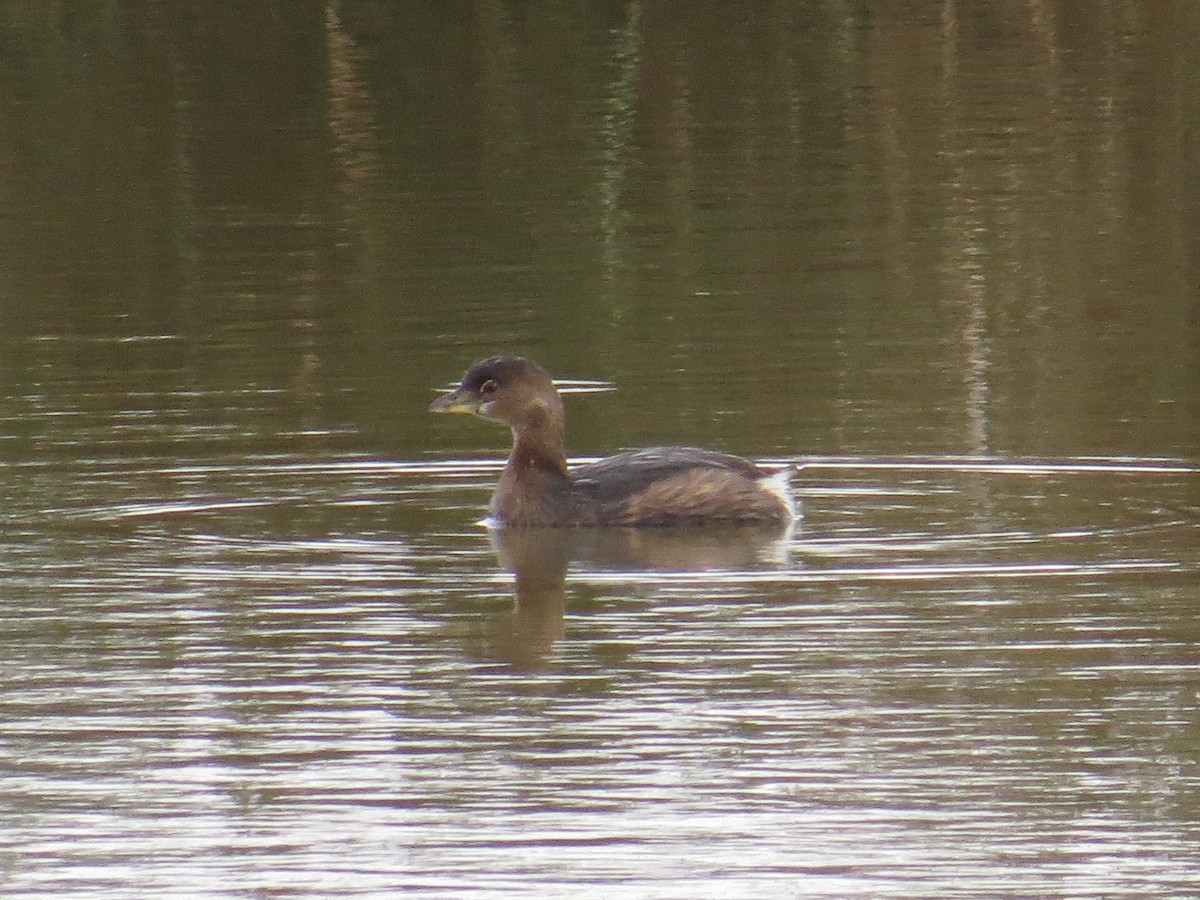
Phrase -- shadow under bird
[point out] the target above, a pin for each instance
(653, 487)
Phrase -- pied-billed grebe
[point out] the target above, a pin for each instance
(658, 486)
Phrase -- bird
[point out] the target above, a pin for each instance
(657, 486)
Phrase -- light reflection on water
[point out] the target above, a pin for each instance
(237, 660)
(955, 678)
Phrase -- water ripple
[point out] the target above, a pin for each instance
(322, 676)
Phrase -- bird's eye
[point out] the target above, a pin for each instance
(488, 388)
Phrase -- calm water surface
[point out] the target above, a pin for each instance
(253, 640)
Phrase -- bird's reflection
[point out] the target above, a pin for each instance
(539, 559)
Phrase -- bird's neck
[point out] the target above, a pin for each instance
(538, 444)
(534, 488)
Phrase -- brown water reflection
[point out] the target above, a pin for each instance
(944, 254)
(539, 559)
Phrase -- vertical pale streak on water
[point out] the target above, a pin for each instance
(969, 266)
(353, 130)
(619, 119)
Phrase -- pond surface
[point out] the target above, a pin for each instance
(253, 640)
(955, 678)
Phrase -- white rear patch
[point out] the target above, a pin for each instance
(780, 485)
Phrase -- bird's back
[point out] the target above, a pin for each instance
(679, 485)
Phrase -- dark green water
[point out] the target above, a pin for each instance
(252, 642)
